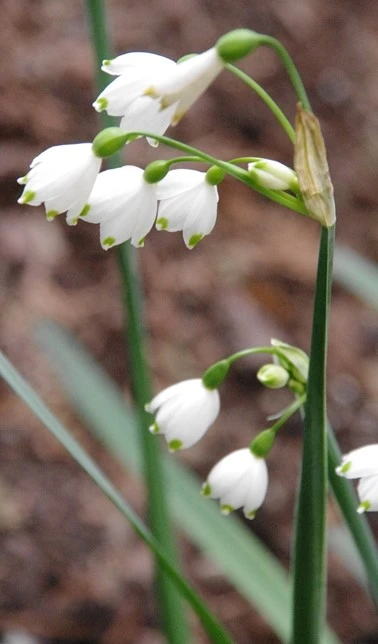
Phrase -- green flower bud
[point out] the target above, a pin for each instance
(273, 376)
(294, 360)
(215, 175)
(273, 175)
(215, 374)
(237, 44)
(109, 141)
(310, 163)
(263, 443)
(156, 171)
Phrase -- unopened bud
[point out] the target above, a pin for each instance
(310, 163)
(273, 175)
(273, 376)
(237, 44)
(293, 359)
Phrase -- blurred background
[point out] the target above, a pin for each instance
(71, 569)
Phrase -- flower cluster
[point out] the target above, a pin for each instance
(362, 464)
(150, 92)
(123, 201)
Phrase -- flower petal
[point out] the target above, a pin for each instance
(359, 462)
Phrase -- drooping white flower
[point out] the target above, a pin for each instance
(185, 84)
(362, 463)
(126, 96)
(188, 203)
(152, 92)
(124, 205)
(62, 178)
(239, 480)
(184, 412)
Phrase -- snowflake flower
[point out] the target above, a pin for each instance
(239, 480)
(188, 203)
(362, 463)
(62, 178)
(184, 412)
(124, 205)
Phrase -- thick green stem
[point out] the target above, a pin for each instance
(347, 500)
(170, 605)
(309, 569)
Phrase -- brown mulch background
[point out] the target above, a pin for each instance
(71, 569)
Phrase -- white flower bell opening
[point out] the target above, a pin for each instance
(124, 205)
(239, 480)
(188, 203)
(362, 463)
(62, 178)
(185, 84)
(184, 412)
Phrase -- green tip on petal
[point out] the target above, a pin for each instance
(108, 242)
(154, 428)
(162, 223)
(250, 515)
(195, 239)
(343, 469)
(26, 197)
(175, 445)
(226, 509)
(106, 62)
(206, 489)
(85, 210)
(141, 242)
(364, 507)
(51, 214)
(22, 180)
(101, 104)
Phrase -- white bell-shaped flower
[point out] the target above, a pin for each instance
(188, 203)
(362, 463)
(184, 412)
(239, 480)
(62, 178)
(126, 96)
(124, 205)
(184, 85)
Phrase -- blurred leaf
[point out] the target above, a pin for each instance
(357, 274)
(227, 542)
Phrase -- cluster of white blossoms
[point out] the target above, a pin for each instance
(150, 93)
(66, 178)
(362, 463)
(183, 414)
